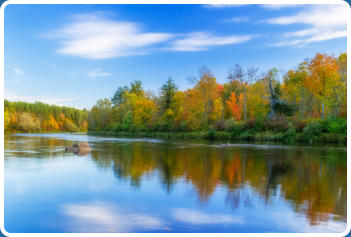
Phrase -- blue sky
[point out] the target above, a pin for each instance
(74, 55)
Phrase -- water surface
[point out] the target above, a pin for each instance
(150, 185)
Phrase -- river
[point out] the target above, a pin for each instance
(150, 185)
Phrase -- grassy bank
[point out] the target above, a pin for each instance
(283, 137)
(280, 129)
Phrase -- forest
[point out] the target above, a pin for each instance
(307, 104)
(40, 117)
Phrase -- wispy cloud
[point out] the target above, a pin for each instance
(98, 73)
(18, 71)
(200, 218)
(238, 19)
(324, 22)
(97, 37)
(278, 6)
(32, 99)
(223, 5)
(200, 41)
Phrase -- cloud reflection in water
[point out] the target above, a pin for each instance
(200, 218)
(105, 217)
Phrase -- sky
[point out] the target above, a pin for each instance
(73, 55)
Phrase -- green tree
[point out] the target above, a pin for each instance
(168, 91)
(136, 88)
(101, 115)
(119, 96)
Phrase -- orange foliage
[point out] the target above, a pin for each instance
(233, 105)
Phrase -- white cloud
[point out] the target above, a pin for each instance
(200, 41)
(238, 19)
(32, 99)
(101, 217)
(97, 37)
(18, 71)
(98, 73)
(200, 218)
(325, 22)
(94, 36)
(279, 6)
(224, 5)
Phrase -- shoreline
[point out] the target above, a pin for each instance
(285, 138)
(211, 135)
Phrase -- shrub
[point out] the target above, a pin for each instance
(116, 127)
(313, 129)
(334, 125)
(230, 124)
(211, 134)
(164, 126)
(277, 124)
(299, 124)
(332, 138)
(246, 136)
(222, 135)
(220, 125)
(183, 126)
(235, 128)
(290, 135)
(255, 125)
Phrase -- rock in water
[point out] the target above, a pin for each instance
(79, 148)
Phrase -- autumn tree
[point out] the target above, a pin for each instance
(342, 64)
(7, 120)
(258, 99)
(239, 81)
(207, 89)
(295, 91)
(324, 80)
(27, 123)
(234, 105)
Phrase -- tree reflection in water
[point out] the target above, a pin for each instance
(313, 180)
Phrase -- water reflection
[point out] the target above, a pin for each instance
(201, 218)
(312, 180)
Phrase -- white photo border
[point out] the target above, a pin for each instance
(217, 2)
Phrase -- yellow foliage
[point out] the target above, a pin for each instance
(144, 110)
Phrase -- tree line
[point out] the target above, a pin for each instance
(311, 97)
(309, 100)
(40, 117)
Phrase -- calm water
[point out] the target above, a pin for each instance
(145, 185)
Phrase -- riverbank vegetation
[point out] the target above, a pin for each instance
(40, 117)
(306, 104)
